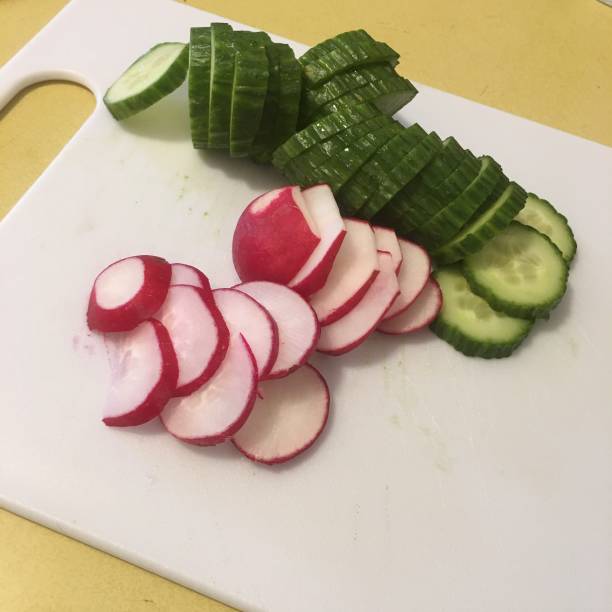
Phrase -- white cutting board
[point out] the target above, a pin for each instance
(442, 483)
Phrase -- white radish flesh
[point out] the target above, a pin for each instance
(184, 274)
(288, 416)
(386, 240)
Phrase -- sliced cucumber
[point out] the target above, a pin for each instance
(150, 78)
(340, 40)
(290, 75)
(519, 272)
(543, 216)
(198, 82)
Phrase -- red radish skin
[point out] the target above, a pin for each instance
(128, 292)
(386, 240)
(353, 328)
(274, 237)
(420, 314)
(184, 274)
(323, 209)
(354, 270)
(298, 328)
(198, 332)
(217, 410)
(413, 276)
(246, 316)
(144, 372)
(287, 418)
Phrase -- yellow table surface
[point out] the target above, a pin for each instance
(550, 61)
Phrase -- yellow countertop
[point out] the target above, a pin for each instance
(550, 61)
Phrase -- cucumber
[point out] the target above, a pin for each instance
(543, 216)
(149, 79)
(519, 272)
(290, 78)
(478, 232)
(338, 41)
(198, 83)
(469, 324)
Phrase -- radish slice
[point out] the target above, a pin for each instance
(322, 207)
(413, 275)
(354, 270)
(128, 292)
(353, 328)
(144, 372)
(298, 328)
(287, 418)
(248, 317)
(198, 333)
(386, 240)
(421, 313)
(184, 274)
(217, 410)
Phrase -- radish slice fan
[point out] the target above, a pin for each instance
(184, 274)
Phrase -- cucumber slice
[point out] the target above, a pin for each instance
(320, 49)
(470, 325)
(478, 232)
(290, 74)
(519, 272)
(149, 79)
(198, 82)
(542, 215)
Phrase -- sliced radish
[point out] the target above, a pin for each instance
(274, 237)
(354, 270)
(246, 316)
(324, 211)
(217, 410)
(184, 274)
(353, 328)
(298, 328)
(288, 416)
(386, 240)
(128, 292)
(413, 275)
(144, 372)
(198, 333)
(421, 313)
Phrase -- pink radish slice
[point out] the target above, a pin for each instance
(184, 274)
(288, 416)
(353, 328)
(421, 313)
(217, 410)
(298, 328)
(386, 240)
(248, 317)
(353, 271)
(198, 333)
(128, 292)
(324, 211)
(144, 372)
(413, 275)
(274, 237)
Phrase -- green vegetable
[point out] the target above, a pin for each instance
(198, 81)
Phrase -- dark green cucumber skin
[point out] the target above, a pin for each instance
(290, 94)
(511, 308)
(332, 43)
(199, 85)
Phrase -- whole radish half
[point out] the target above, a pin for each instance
(419, 314)
(321, 205)
(298, 328)
(184, 274)
(128, 292)
(386, 240)
(198, 332)
(144, 372)
(412, 277)
(246, 316)
(288, 416)
(353, 271)
(274, 237)
(217, 410)
(353, 328)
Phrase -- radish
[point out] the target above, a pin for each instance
(198, 333)
(128, 292)
(298, 328)
(354, 270)
(421, 313)
(386, 240)
(353, 328)
(144, 372)
(323, 209)
(288, 416)
(274, 237)
(413, 275)
(217, 410)
(184, 274)
(248, 317)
